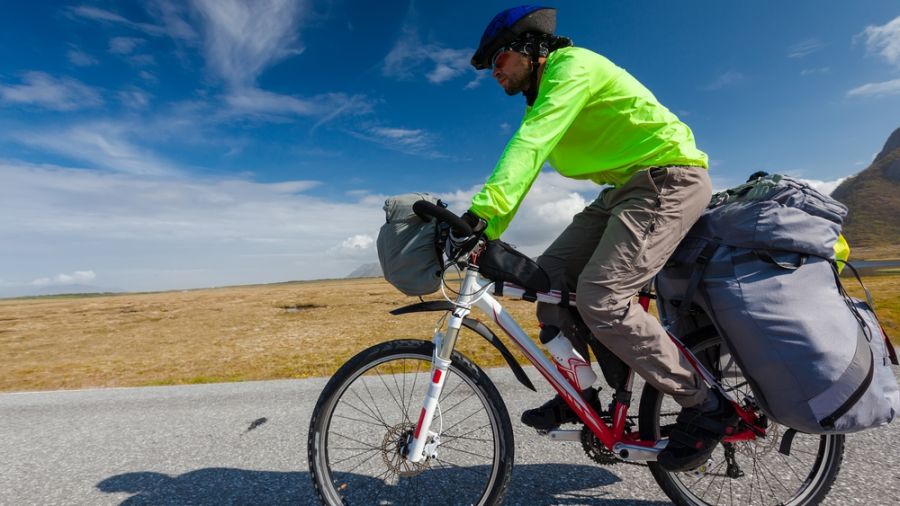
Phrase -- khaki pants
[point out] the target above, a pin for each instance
(614, 247)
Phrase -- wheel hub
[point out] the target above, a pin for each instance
(394, 449)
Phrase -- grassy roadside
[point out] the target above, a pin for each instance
(290, 330)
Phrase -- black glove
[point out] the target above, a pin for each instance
(460, 246)
(477, 224)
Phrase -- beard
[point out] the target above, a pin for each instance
(517, 84)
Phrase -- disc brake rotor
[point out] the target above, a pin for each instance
(395, 440)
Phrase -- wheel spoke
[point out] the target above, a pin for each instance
(374, 402)
(458, 403)
(358, 448)
(453, 448)
(769, 477)
(461, 421)
(371, 411)
(445, 436)
(360, 421)
(357, 465)
(386, 387)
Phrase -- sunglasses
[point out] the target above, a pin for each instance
(497, 55)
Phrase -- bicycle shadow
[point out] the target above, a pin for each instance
(532, 484)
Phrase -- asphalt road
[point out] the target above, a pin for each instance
(245, 443)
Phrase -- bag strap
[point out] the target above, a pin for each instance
(766, 256)
(858, 279)
(863, 355)
(892, 353)
(440, 238)
(700, 264)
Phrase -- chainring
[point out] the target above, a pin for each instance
(595, 450)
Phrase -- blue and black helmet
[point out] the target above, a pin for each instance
(508, 26)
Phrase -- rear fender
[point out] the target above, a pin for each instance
(475, 326)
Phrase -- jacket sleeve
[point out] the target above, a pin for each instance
(565, 89)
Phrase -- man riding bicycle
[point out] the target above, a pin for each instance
(592, 120)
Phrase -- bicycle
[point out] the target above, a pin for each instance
(416, 422)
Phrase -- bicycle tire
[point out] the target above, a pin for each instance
(825, 451)
(328, 488)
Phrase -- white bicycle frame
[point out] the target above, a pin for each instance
(475, 292)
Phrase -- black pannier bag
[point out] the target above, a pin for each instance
(502, 262)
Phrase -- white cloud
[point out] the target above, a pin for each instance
(134, 98)
(359, 241)
(150, 233)
(98, 14)
(476, 81)
(148, 76)
(80, 58)
(876, 89)
(725, 80)
(76, 278)
(813, 71)
(254, 101)
(547, 209)
(417, 142)
(825, 187)
(171, 16)
(360, 246)
(402, 136)
(244, 38)
(410, 57)
(44, 90)
(804, 48)
(172, 26)
(178, 232)
(884, 40)
(104, 145)
(124, 45)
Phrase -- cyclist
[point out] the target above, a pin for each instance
(592, 120)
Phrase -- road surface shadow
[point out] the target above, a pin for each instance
(532, 484)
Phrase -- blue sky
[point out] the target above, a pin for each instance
(161, 144)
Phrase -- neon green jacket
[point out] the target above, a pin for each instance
(590, 120)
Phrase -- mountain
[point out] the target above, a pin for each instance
(873, 197)
(372, 270)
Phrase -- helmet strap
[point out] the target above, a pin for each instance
(537, 46)
(532, 91)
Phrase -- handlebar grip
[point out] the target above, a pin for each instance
(427, 210)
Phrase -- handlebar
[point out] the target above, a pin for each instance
(427, 210)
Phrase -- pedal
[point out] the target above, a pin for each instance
(564, 434)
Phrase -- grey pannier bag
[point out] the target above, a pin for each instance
(408, 247)
(759, 266)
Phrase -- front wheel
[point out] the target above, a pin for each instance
(746, 473)
(367, 412)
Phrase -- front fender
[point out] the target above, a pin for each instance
(475, 326)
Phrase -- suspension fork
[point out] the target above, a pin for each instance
(444, 343)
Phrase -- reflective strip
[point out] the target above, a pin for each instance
(419, 425)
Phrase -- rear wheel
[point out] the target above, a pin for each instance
(746, 473)
(367, 412)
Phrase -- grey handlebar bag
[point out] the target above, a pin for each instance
(759, 265)
(409, 247)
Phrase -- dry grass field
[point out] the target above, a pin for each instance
(290, 330)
